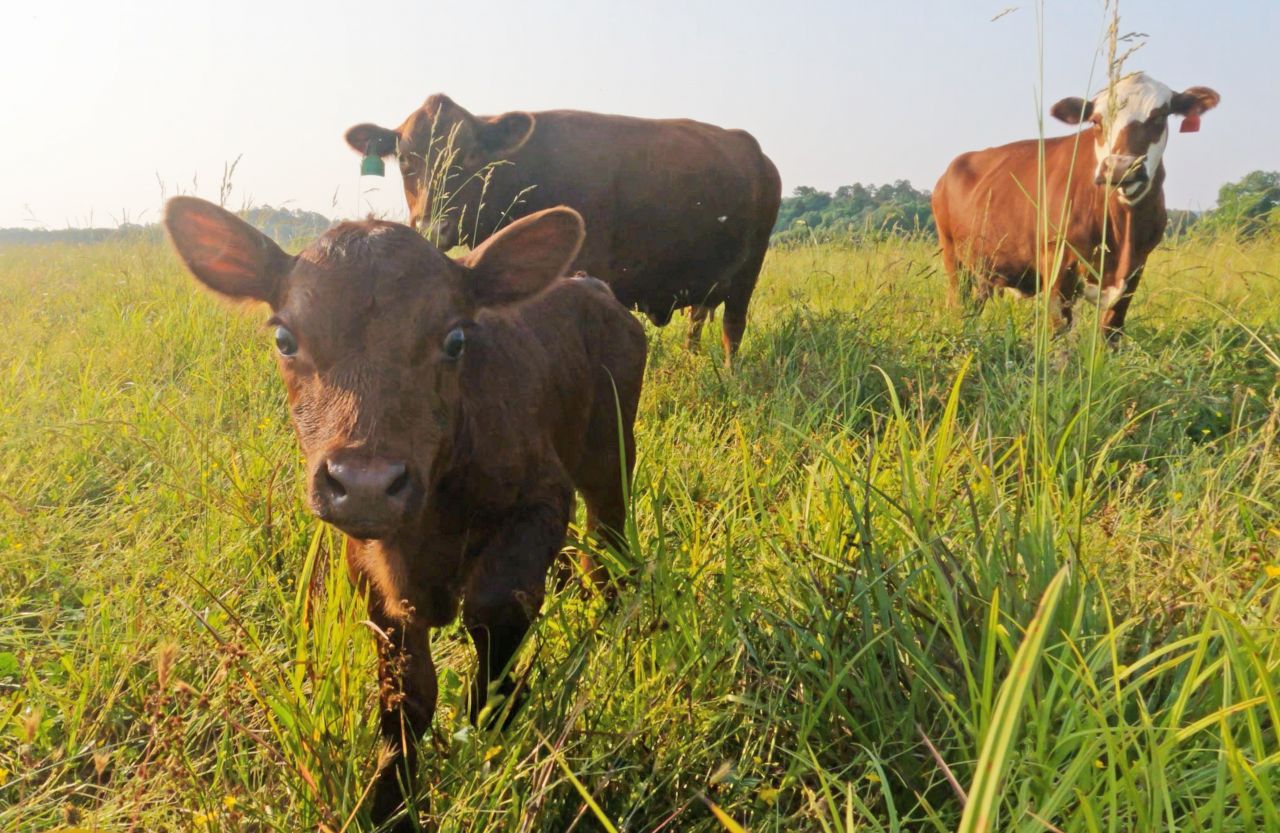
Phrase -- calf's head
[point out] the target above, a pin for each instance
(1131, 128)
(445, 153)
(373, 328)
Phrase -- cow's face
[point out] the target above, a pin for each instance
(371, 326)
(445, 153)
(1131, 128)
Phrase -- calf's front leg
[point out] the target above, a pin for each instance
(505, 588)
(407, 703)
(407, 687)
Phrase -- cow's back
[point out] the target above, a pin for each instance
(673, 208)
(985, 205)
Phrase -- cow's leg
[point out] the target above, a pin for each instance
(407, 694)
(741, 286)
(601, 481)
(604, 475)
(733, 327)
(1061, 312)
(1058, 277)
(505, 588)
(601, 525)
(978, 290)
(950, 266)
(968, 286)
(698, 316)
(974, 288)
(564, 564)
(1112, 319)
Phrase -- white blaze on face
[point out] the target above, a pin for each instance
(1133, 99)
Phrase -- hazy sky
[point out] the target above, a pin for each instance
(103, 100)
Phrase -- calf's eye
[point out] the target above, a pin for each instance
(454, 341)
(285, 342)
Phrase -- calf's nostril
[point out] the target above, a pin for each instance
(331, 474)
(399, 482)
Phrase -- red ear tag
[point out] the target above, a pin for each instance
(1190, 123)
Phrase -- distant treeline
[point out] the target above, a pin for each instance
(852, 213)
(64, 235)
(287, 226)
(858, 212)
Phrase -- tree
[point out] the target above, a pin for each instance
(1248, 206)
(853, 212)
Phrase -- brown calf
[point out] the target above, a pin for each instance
(447, 409)
(1103, 201)
(678, 212)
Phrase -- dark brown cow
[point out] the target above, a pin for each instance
(1104, 203)
(447, 410)
(678, 212)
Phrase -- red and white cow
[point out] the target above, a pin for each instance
(1101, 212)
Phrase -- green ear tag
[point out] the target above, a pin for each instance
(372, 165)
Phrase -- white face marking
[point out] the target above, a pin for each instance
(1133, 99)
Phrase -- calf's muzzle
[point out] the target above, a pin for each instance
(365, 497)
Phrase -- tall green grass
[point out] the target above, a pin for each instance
(869, 582)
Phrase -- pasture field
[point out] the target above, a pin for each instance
(894, 556)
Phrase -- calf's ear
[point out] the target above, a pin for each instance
(224, 252)
(371, 140)
(503, 135)
(525, 257)
(1072, 110)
